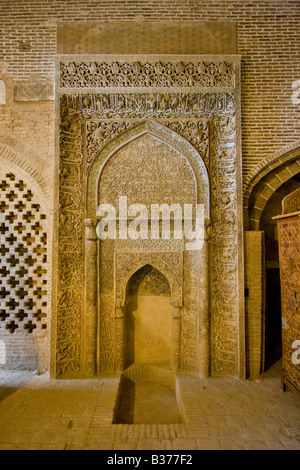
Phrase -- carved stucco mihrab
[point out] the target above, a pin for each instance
(199, 103)
(159, 133)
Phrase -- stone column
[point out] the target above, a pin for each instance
(119, 337)
(176, 337)
(91, 298)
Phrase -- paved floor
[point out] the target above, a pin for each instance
(37, 413)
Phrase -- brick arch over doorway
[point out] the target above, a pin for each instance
(267, 178)
(20, 155)
(263, 186)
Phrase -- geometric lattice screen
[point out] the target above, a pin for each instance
(23, 251)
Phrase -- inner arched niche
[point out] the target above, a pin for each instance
(149, 149)
(148, 316)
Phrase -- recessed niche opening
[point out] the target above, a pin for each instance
(147, 392)
(148, 318)
(147, 395)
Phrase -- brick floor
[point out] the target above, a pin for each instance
(38, 413)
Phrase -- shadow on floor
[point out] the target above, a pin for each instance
(14, 381)
(146, 403)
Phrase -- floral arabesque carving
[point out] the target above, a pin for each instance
(148, 74)
(98, 133)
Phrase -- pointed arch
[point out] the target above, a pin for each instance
(173, 277)
(283, 155)
(167, 136)
(148, 322)
(160, 266)
(262, 184)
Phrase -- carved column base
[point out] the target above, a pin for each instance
(119, 339)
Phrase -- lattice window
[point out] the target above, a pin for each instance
(23, 251)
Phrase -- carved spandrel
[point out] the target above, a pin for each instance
(98, 133)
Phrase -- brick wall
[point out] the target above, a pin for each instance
(267, 37)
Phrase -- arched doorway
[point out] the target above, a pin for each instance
(272, 321)
(263, 198)
(148, 318)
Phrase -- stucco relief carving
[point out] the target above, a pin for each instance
(150, 105)
(149, 281)
(147, 171)
(224, 246)
(98, 133)
(147, 74)
(161, 133)
(170, 264)
(146, 251)
(94, 124)
(71, 214)
(195, 132)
